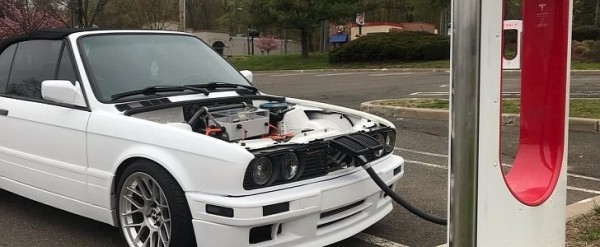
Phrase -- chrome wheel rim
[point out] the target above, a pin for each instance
(144, 212)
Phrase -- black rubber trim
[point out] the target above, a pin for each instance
(234, 99)
(276, 208)
(3, 112)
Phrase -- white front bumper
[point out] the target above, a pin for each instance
(352, 203)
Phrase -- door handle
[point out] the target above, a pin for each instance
(3, 112)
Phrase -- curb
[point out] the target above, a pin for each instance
(582, 208)
(578, 124)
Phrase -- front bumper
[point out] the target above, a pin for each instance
(319, 214)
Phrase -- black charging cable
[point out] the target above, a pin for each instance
(398, 199)
(354, 147)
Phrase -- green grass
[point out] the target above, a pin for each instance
(582, 108)
(592, 234)
(596, 210)
(321, 61)
(584, 66)
(318, 61)
(280, 62)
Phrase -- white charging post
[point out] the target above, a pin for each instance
(525, 207)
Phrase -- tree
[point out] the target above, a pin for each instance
(267, 43)
(155, 14)
(303, 15)
(23, 16)
(75, 13)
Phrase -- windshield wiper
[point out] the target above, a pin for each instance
(216, 85)
(158, 89)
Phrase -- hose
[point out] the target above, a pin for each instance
(418, 212)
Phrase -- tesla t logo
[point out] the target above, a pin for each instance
(542, 6)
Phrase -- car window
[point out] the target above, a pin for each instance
(34, 62)
(5, 62)
(122, 63)
(65, 69)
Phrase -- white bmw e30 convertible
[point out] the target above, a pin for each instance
(155, 133)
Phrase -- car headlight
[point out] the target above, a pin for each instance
(262, 170)
(390, 141)
(381, 139)
(289, 166)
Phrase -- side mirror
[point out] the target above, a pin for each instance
(248, 74)
(63, 91)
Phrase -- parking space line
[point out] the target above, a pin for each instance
(338, 74)
(372, 239)
(448, 93)
(583, 190)
(507, 165)
(426, 164)
(391, 74)
(284, 75)
(584, 177)
(421, 152)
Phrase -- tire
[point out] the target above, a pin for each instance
(151, 207)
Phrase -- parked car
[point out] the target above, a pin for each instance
(156, 134)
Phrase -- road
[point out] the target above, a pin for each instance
(422, 143)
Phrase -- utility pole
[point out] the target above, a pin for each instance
(182, 15)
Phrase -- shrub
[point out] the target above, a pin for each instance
(586, 51)
(582, 33)
(402, 46)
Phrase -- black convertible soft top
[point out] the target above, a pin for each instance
(50, 34)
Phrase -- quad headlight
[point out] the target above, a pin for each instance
(381, 139)
(290, 166)
(390, 141)
(262, 170)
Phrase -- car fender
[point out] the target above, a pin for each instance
(198, 162)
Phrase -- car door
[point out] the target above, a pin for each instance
(42, 143)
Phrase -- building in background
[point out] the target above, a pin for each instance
(387, 27)
(225, 44)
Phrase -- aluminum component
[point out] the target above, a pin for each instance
(242, 123)
(145, 216)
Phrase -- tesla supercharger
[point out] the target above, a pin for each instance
(513, 62)
(525, 207)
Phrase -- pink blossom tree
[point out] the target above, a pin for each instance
(267, 43)
(24, 17)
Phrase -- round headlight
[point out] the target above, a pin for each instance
(380, 138)
(390, 141)
(262, 170)
(289, 166)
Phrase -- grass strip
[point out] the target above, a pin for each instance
(581, 108)
(321, 61)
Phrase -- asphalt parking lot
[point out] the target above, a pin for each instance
(422, 143)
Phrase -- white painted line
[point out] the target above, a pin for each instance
(445, 85)
(391, 74)
(446, 156)
(284, 75)
(447, 93)
(421, 152)
(425, 164)
(415, 93)
(583, 190)
(372, 239)
(338, 74)
(584, 177)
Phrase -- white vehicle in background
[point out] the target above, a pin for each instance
(153, 132)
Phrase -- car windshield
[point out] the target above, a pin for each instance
(121, 63)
